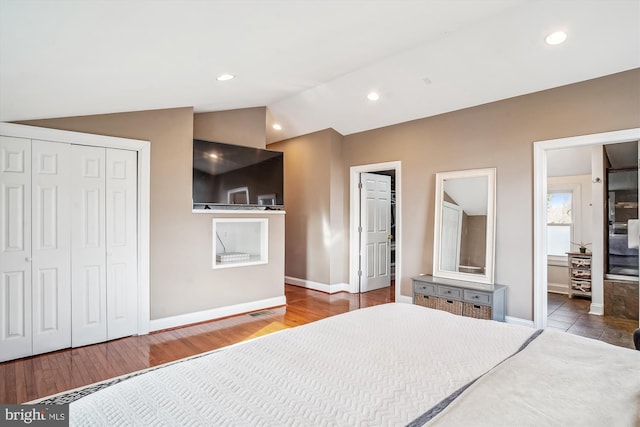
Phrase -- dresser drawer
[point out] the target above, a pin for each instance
(449, 305)
(580, 262)
(580, 273)
(477, 311)
(477, 297)
(424, 288)
(428, 301)
(449, 292)
(461, 298)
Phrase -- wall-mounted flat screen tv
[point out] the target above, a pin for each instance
(226, 175)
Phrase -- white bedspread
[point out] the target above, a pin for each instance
(383, 365)
(558, 380)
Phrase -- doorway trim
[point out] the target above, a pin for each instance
(354, 220)
(540, 149)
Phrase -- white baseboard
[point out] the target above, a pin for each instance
(518, 321)
(214, 313)
(597, 309)
(316, 286)
(404, 299)
(558, 288)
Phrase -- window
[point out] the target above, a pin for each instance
(559, 223)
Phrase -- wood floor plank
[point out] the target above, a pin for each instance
(48, 377)
(8, 389)
(20, 382)
(61, 368)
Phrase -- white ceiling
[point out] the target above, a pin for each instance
(569, 161)
(471, 194)
(577, 160)
(311, 63)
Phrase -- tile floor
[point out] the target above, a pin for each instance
(572, 315)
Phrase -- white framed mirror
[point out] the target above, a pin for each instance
(464, 233)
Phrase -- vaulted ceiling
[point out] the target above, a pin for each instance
(311, 63)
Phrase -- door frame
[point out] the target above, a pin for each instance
(143, 148)
(354, 221)
(367, 283)
(540, 149)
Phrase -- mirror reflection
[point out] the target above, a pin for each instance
(464, 234)
(464, 225)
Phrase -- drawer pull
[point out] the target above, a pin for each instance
(476, 297)
(448, 292)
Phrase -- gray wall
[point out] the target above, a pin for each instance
(181, 278)
(315, 205)
(499, 134)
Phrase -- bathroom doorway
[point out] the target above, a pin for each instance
(541, 152)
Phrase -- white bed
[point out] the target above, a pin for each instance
(392, 364)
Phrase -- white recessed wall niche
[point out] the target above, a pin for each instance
(240, 242)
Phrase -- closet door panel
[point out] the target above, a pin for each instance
(51, 246)
(121, 230)
(15, 248)
(68, 245)
(88, 247)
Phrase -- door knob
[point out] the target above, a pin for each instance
(28, 259)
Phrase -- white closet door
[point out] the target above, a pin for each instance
(15, 248)
(51, 246)
(122, 249)
(451, 232)
(88, 274)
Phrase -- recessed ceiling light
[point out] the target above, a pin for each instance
(373, 96)
(556, 38)
(225, 77)
(276, 126)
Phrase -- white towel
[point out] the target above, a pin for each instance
(633, 233)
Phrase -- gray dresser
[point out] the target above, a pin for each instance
(459, 297)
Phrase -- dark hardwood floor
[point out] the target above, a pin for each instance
(34, 377)
(572, 315)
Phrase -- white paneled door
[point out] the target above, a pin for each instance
(35, 294)
(68, 245)
(450, 238)
(375, 223)
(103, 244)
(88, 246)
(121, 241)
(15, 248)
(51, 243)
